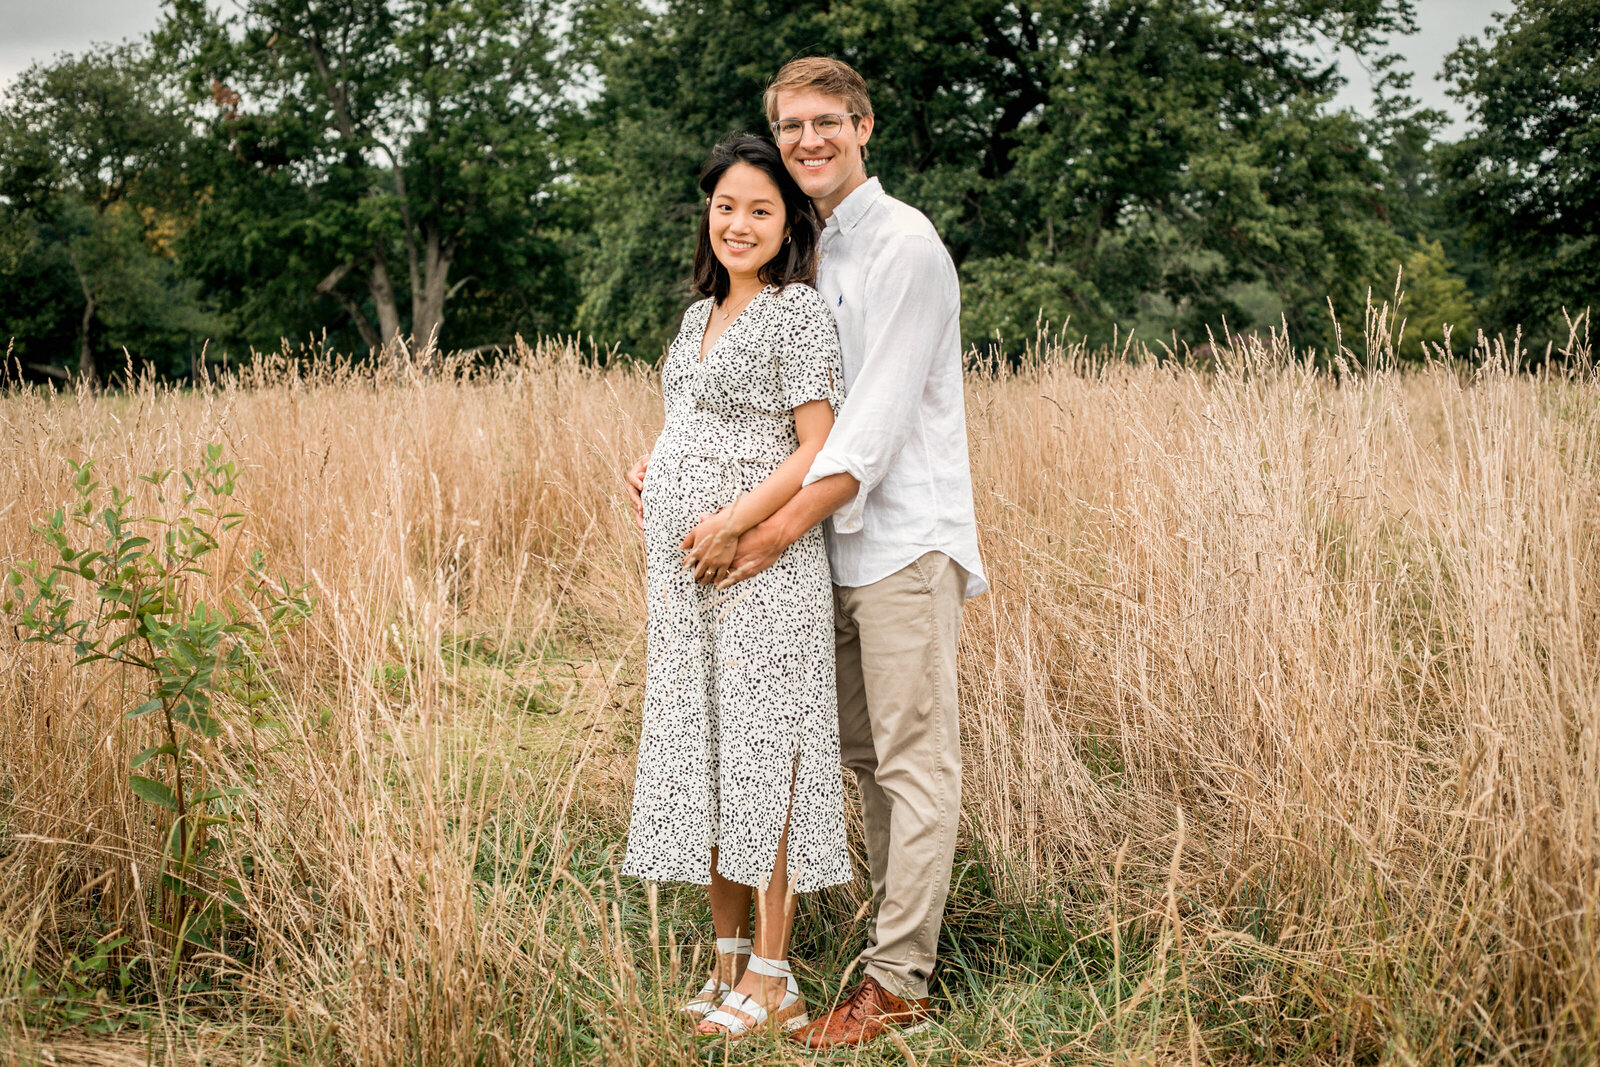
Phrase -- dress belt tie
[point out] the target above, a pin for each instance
(730, 472)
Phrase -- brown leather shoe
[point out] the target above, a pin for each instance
(867, 1011)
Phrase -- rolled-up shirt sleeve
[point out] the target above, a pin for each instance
(914, 294)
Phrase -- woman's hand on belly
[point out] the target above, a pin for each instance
(635, 480)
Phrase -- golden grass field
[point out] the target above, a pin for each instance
(1281, 727)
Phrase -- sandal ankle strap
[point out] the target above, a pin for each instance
(770, 968)
(733, 946)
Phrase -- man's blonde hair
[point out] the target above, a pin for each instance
(831, 77)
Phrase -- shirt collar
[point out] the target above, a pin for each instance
(853, 207)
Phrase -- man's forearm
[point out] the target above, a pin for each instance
(811, 505)
(760, 546)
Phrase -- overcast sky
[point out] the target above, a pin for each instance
(32, 30)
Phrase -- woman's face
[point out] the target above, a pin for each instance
(747, 220)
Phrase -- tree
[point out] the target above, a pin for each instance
(1436, 299)
(365, 152)
(1115, 160)
(89, 151)
(1526, 179)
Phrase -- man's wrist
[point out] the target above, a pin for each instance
(779, 527)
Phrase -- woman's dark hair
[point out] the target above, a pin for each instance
(796, 260)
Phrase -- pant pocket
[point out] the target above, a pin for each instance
(926, 567)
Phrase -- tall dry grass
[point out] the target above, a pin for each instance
(1283, 713)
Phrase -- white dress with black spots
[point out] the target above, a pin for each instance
(739, 691)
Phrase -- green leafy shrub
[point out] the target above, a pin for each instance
(1436, 297)
(134, 591)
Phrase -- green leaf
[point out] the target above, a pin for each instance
(153, 791)
(150, 753)
(146, 708)
(196, 715)
(174, 832)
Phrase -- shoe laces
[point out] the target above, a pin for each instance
(856, 1003)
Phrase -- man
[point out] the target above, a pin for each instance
(895, 478)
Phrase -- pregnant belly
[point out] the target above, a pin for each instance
(678, 489)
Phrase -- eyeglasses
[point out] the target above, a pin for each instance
(788, 131)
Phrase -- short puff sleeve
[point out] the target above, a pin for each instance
(806, 343)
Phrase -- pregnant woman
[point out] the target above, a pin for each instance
(738, 782)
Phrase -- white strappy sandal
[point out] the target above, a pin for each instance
(740, 1015)
(705, 1002)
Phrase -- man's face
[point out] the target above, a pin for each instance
(828, 169)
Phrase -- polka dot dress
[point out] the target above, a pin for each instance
(739, 690)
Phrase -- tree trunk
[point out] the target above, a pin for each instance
(382, 288)
(330, 286)
(86, 368)
(427, 307)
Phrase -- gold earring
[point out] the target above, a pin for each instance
(785, 238)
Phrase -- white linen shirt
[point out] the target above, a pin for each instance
(902, 432)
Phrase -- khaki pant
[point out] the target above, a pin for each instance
(896, 647)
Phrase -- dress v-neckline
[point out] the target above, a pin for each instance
(711, 306)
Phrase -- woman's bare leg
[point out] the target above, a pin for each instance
(730, 917)
(775, 906)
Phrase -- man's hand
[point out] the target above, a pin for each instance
(709, 547)
(759, 548)
(635, 480)
(761, 545)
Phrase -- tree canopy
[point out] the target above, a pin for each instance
(394, 157)
(1138, 161)
(465, 170)
(90, 152)
(1525, 183)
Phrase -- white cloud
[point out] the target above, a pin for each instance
(31, 30)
